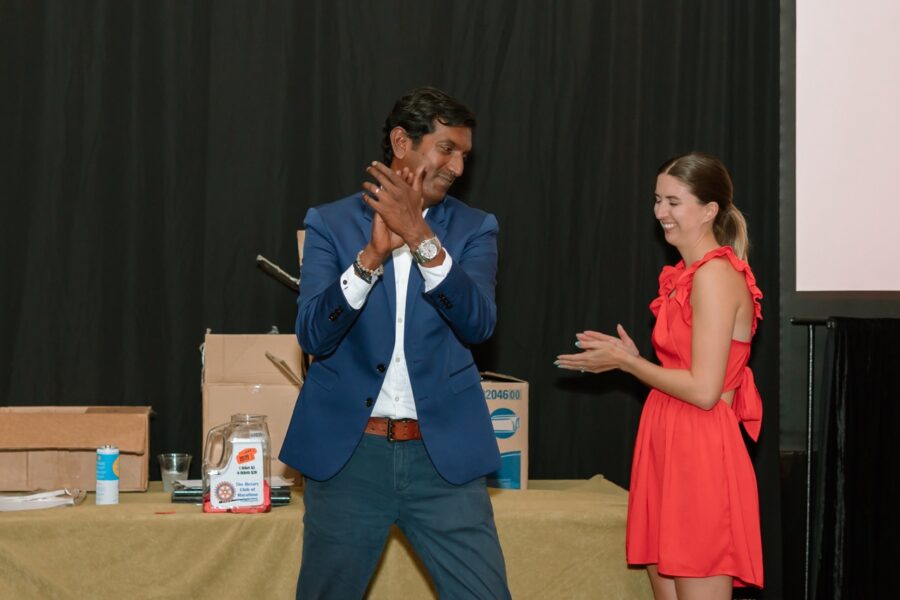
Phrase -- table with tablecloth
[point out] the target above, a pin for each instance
(561, 539)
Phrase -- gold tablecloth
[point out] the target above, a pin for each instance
(561, 539)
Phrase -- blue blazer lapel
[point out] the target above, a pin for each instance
(437, 219)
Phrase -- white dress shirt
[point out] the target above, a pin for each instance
(395, 400)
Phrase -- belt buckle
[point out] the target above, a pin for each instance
(390, 430)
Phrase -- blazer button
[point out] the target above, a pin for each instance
(369, 402)
(380, 368)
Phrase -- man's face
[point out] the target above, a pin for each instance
(443, 153)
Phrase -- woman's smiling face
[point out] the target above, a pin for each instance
(684, 219)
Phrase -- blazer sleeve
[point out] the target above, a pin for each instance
(466, 296)
(323, 315)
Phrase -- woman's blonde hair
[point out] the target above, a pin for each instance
(708, 179)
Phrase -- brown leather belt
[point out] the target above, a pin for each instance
(396, 430)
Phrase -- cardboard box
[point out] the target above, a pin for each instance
(238, 377)
(507, 400)
(52, 447)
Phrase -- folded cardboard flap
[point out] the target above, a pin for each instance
(74, 428)
(242, 358)
(491, 376)
(286, 369)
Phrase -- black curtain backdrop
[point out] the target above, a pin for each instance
(150, 150)
(854, 512)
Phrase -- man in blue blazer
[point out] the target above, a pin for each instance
(391, 426)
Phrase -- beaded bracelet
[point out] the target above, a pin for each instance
(364, 273)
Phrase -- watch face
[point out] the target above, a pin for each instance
(428, 250)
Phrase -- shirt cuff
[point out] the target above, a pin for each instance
(435, 275)
(355, 289)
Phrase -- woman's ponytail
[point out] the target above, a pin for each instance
(730, 229)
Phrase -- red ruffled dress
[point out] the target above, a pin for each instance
(693, 508)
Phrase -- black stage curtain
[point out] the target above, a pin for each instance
(152, 149)
(855, 514)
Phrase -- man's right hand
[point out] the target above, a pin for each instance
(383, 241)
(399, 202)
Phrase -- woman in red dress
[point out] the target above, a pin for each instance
(693, 510)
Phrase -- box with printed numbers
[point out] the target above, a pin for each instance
(507, 400)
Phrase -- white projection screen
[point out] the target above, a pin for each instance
(848, 145)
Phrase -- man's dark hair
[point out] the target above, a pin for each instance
(416, 113)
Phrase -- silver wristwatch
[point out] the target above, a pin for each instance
(427, 250)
